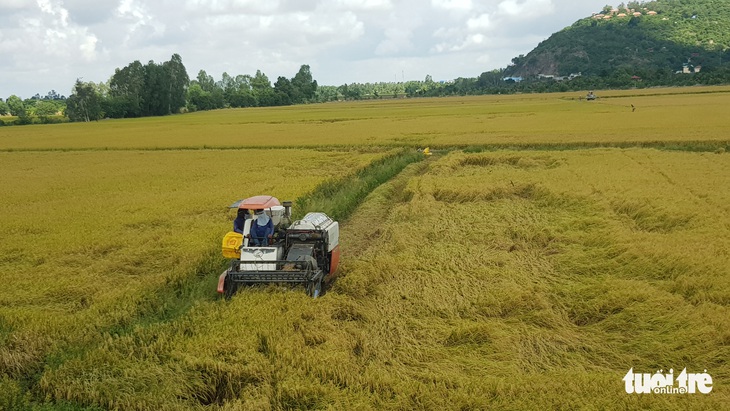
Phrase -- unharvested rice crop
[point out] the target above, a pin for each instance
(90, 236)
(662, 115)
(509, 280)
(479, 278)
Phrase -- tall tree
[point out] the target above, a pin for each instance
(214, 93)
(16, 106)
(207, 83)
(126, 89)
(283, 91)
(44, 110)
(199, 99)
(238, 92)
(178, 82)
(260, 82)
(4, 109)
(305, 87)
(262, 89)
(156, 94)
(84, 103)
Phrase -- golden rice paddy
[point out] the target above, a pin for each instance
(510, 279)
(664, 115)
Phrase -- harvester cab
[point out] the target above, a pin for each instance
(300, 252)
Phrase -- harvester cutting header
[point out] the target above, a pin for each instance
(267, 247)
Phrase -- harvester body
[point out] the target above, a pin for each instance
(300, 252)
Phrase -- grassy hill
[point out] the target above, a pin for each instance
(655, 38)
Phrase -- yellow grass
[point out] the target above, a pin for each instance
(697, 114)
(500, 280)
(506, 280)
(88, 235)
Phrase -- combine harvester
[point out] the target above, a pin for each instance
(303, 252)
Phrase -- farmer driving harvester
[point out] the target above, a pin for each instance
(270, 248)
(262, 229)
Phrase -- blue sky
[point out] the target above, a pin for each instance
(47, 44)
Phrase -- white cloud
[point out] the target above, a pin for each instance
(56, 10)
(52, 31)
(526, 8)
(47, 44)
(397, 39)
(141, 23)
(481, 22)
(88, 48)
(452, 4)
(232, 6)
(368, 5)
(8, 5)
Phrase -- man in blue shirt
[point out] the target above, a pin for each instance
(262, 229)
(240, 220)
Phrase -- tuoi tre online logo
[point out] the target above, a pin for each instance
(658, 383)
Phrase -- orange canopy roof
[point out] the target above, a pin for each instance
(258, 202)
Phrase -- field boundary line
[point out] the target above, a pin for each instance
(669, 145)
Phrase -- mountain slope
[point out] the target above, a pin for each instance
(657, 36)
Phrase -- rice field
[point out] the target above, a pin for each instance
(90, 236)
(475, 279)
(662, 115)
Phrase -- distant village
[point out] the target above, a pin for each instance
(626, 12)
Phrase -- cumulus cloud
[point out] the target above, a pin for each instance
(51, 31)
(342, 40)
(140, 23)
(397, 40)
(367, 5)
(526, 8)
(14, 5)
(481, 22)
(452, 4)
(233, 6)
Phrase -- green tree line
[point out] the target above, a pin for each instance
(152, 89)
(46, 109)
(160, 89)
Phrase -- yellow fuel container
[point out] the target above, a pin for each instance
(232, 244)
